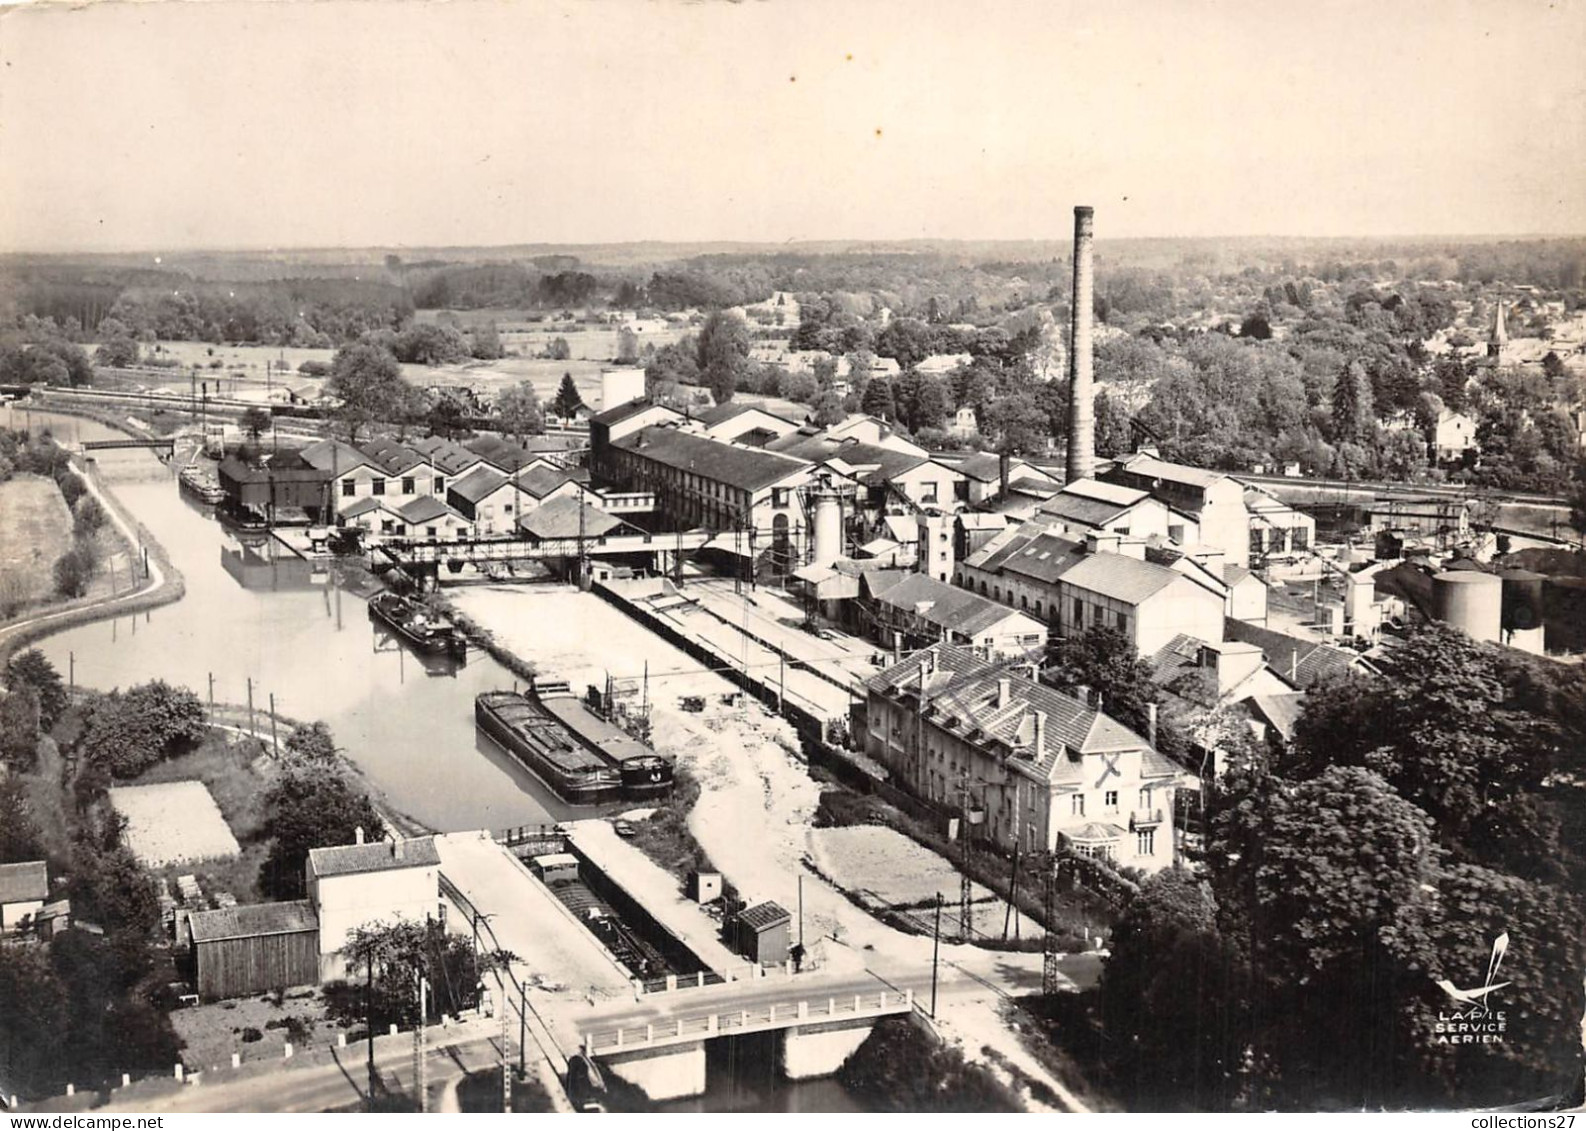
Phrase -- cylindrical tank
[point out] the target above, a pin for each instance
(1522, 599)
(1470, 601)
(828, 526)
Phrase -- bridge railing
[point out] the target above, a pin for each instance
(776, 1015)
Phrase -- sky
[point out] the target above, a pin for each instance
(385, 123)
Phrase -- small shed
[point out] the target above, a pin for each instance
(23, 889)
(557, 867)
(254, 947)
(760, 933)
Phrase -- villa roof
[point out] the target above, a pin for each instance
(375, 856)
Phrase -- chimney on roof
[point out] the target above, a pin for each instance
(397, 849)
(1081, 394)
(1102, 541)
(1040, 732)
(1082, 693)
(1004, 691)
(357, 834)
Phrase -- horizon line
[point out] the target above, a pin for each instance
(256, 249)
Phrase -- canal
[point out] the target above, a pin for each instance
(300, 634)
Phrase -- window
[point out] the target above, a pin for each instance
(349, 488)
(1079, 611)
(1076, 805)
(409, 485)
(1038, 611)
(1145, 842)
(928, 493)
(440, 484)
(377, 486)
(1111, 800)
(1145, 799)
(432, 532)
(507, 509)
(1301, 537)
(1123, 622)
(387, 525)
(1024, 601)
(779, 496)
(1029, 838)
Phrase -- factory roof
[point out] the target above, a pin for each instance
(559, 518)
(1046, 557)
(747, 468)
(391, 457)
(1106, 492)
(1081, 510)
(947, 606)
(423, 509)
(718, 414)
(26, 882)
(364, 506)
(478, 483)
(984, 466)
(251, 920)
(618, 413)
(541, 481)
(375, 856)
(1171, 472)
(1120, 577)
(334, 456)
(446, 455)
(1300, 662)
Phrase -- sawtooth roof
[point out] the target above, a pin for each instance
(391, 457)
(446, 455)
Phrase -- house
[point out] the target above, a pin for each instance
(700, 482)
(1209, 505)
(254, 948)
(964, 423)
(940, 364)
(487, 499)
(1453, 435)
(1300, 662)
(914, 610)
(1044, 770)
(23, 889)
(377, 518)
(1277, 530)
(897, 482)
(351, 885)
(606, 428)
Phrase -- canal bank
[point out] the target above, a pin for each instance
(305, 638)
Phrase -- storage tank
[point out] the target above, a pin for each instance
(1470, 601)
(1522, 599)
(828, 525)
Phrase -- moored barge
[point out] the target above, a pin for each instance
(424, 630)
(580, 755)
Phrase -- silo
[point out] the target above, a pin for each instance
(828, 540)
(1522, 599)
(1470, 601)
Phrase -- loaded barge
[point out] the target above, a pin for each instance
(580, 755)
(424, 630)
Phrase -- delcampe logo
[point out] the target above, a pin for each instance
(1472, 1019)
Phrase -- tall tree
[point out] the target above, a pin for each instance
(367, 380)
(311, 805)
(723, 356)
(1104, 660)
(20, 840)
(567, 400)
(878, 399)
(34, 668)
(1353, 414)
(518, 408)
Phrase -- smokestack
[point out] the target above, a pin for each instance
(1003, 464)
(1081, 395)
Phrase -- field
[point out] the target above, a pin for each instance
(35, 529)
(173, 823)
(213, 1032)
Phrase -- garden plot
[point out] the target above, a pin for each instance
(173, 823)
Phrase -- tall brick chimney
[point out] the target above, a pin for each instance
(1081, 394)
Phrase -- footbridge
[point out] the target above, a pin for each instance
(166, 444)
(658, 1042)
(410, 552)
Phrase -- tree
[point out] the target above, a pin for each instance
(74, 570)
(878, 399)
(559, 350)
(429, 343)
(19, 728)
(446, 418)
(1104, 660)
(567, 400)
(1019, 423)
(1173, 1000)
(829, 411)
(33, 1002)
(20, 839)
(117, 353)
(922, 400)
(484, 342)
(518, 408)
(34, 669)
(129, 731)
(627, 346)
(311, 805)
(312, 742)
(368, 381)
(404, 951)
(1353, 415)
(255, 422)
(723, 354)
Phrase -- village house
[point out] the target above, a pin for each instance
(352, 885)
(911, 610)
(982, 474)
(1044, 769)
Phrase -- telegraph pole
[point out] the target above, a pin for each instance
(936, 949)
(275, 742)
(251, 726)
(368, 1019)
(965, 923)
(420, 1068)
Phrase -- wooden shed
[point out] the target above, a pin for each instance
(760, 933)
(254, 948)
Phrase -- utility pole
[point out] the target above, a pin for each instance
(781, 687)
(965, 920)
(251, 727)
(936, 950)
(211, 691)
(1013, 892)
(420, 1068)
(801, 908)
(506, 1069)
(368, 1019)
(1049, 955)
(275, 742)
(523, 1027)
(71, 671)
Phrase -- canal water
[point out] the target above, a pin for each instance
(300, 633)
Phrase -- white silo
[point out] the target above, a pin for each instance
(1470, 601)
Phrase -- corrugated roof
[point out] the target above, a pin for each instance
(376, 856)
(253, 920)
(559, 519)
(24, 882)
(763, 916)
(746, 468)
(1120, 577)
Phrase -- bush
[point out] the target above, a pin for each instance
(71, 487)
(74, 571)
(901, 1068)
(250, 1035)
(130, 731)
(314, 369)
(89, 516)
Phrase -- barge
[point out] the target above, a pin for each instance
(580, 755)
(202, 484)
(425, 631)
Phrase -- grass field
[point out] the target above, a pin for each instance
(35, 530)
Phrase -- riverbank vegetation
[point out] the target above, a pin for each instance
(902, 1068)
